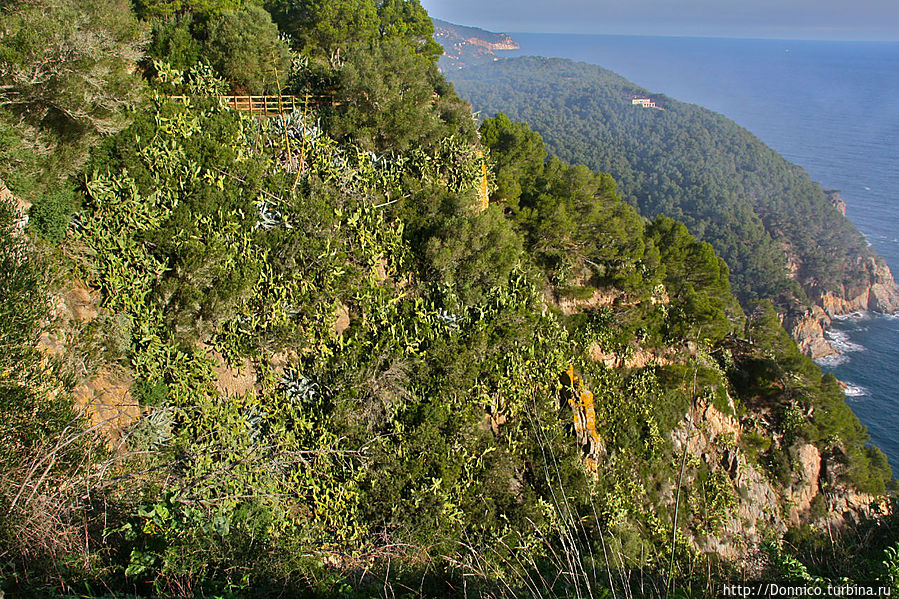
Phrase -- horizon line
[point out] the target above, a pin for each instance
(694, 36)
(760, 37)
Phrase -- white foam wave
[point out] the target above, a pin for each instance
(855, 390)
(832, 361)
(857, 315)
(840, 342)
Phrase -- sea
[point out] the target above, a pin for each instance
(830, 107)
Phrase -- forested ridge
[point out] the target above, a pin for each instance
(369, 348)
(777, 230)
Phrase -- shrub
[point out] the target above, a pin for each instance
(51, 213)
(68, 65)
(244, 47)
(386, 95)
(466, 252)
(173, 42)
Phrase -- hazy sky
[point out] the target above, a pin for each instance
(788, 19)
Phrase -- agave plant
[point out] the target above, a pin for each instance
(254, 419)
(154, 431)
(269, 217)
(299, 387)
(449, 319)
(297, 126)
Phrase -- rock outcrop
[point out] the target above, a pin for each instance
(102, 394)
(233, 380)
(815, 494)
(833, 196)
(878, 294)
(106, 400)
(808, 329)
(464, 46)
(713, 437)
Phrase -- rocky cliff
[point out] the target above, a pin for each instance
(465, 46)
(814, 492)
(731, 447)
(833, 195)
(878, 293)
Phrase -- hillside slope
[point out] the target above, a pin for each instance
(780, 233)
(320, 352)
(464, 46)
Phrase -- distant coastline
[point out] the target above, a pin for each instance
(464, 46)
(808, 328)
(813, 106)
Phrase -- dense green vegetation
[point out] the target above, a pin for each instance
(759, 212)
(348, 365)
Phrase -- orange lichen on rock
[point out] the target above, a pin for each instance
(483, 189)
(581, 401)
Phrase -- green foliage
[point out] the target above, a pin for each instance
(24, 305)
(347, 362)
(891, 567)
(408, 20)
(173, 41)
(788, 567)
(67, 66)
(323, 27)
(764, 331)
(713, 500)
(388, 99)
(148, 393)
(204, 8)
(466, 253)
(243, 46)
(168, 230)
(519, 156)
(572, 218)
(189, 197)
(239, 40)
(576, 292)
(51, 213)
(17, 161)
(698, 281)
(758, 211)
(378, 61)
(66, 76)
(46, 446)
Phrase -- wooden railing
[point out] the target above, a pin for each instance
(266, 106)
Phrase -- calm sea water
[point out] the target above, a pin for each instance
(831, 107)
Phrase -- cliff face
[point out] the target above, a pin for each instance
(808, 329)
(833, 195)
(814, 493)
(465, 46)
(730, 450)
(878, 294)
(506, 44)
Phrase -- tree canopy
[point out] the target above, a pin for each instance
(357, 350)
(759, 212)
(69, 66)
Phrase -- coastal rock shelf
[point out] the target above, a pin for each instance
(880, 295)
